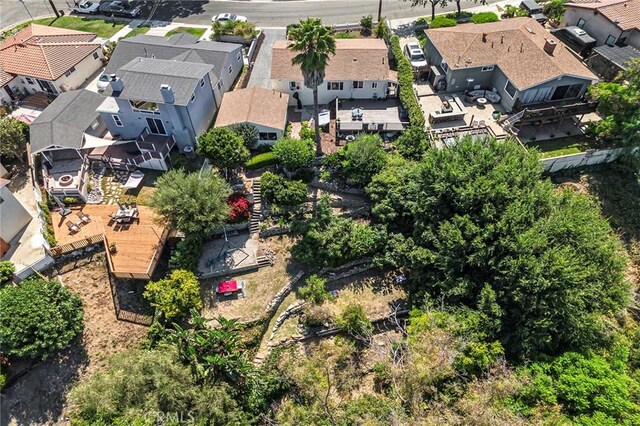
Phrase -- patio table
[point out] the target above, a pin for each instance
(357, 113)
(227, 287)
(481, 101)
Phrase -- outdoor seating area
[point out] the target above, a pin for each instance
(451, 109)
(447, 138)
(369, 115)
(126, 213)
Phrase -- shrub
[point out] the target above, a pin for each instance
(259, 161)
(382, 30)
(38, 317)
(442, 22)
(405, 79)
(293, 154)
(316, 316)
(239, 208)
(484, 17)
(360, 160)
(244, 29)
(175, 295)
(353, 320)
(314, 290)
(223, 148)
(6, 271)
(511, 11)
(187, 253)
(366, 22)
(282, 192)
(306, 132)
(464, 16)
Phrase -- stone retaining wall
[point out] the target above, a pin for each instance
(333, 187)
(274, 230)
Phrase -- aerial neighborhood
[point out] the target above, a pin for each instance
(423, 215)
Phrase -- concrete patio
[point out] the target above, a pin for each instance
(221, 258)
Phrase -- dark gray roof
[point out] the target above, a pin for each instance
(142, 78)
(146, 46)
(64, 121)
(618, 55)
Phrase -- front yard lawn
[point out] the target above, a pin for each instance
(261, 160)
(100, 27)
(562, 146)
(142, 29)
(198, 32)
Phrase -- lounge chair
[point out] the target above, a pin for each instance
(73, 228)
(83, 217)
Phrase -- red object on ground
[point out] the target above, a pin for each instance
(227, 286)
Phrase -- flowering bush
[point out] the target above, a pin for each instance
(239, 208)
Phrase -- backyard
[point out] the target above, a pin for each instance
(563, 146)
(101, 27)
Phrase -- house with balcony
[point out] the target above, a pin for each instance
(610, 22)
(46, 59)
(358, 70)
(514, 62)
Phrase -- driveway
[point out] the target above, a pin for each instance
(261, 72)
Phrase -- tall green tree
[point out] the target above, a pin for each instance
(360, 160)
(13, 134)
(432, 3)
(224, 148)
(38, 317)
(555, 9)
(175, 295)
(194, 203)
(248, 132)
(313, 43)
(293, 154)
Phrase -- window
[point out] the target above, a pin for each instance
(444, 66)
(193, 97)
(70, 71)
(335, 85)
(510, 89)
(202, 83)
(219, 85)
(230, 69)
(292, 85)
(155, 126)
(29, 80)
(610, 40)
(267, 136)
(487, 68)
(239, 56)
(144, 105)
(374, 85)
(95, 124)
(622, 40)
(46, 86)
(581, 23)
(116, 119)
(95, 55)
(358, 84)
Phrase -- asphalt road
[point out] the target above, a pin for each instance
(275, 13)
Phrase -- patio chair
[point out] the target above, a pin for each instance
(120, 205)
(83, 217)
(73, 228)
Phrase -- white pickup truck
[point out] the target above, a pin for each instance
(86, 7)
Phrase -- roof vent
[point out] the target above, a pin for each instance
(355, 60)
(530, 30)
(501, 39)
(549, 46)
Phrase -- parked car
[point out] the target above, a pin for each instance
(103, 82)
(119, 8)
(416, 55)
(576, 39)
(86, 7)
(224, 17)
(534, 10)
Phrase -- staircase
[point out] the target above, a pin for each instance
(264, 261)
(256, 212)
(509, 124)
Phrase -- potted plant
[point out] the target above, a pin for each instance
(112, 248)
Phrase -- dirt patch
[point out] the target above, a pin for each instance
(39, 397)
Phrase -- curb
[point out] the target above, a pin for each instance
(25, 21)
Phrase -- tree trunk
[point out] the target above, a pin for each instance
(433, 11)
(316, 124)
(459, 8)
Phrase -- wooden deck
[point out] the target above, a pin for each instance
(138, 244)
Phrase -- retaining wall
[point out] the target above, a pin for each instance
(587, 158)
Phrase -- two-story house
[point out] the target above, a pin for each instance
(517, 61)
(46, 59)
(610, 22)
(358, 70)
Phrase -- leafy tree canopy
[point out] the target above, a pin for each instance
(175, 295)
(359, 160)
(6, 271)
(412, 143)
(194, 203)
(293, 154)
(248, 133)
(282, 192)
(13, 134)
(223, 147)
(314, 290)
(38, 317)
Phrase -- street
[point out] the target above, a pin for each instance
(263, 13)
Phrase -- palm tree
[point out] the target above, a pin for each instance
(314, 42)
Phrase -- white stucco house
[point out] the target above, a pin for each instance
(13, 216)
(264, 109)
(610, 22)
(46, 59)
(358, 70)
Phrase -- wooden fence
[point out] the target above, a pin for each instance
(60, 250)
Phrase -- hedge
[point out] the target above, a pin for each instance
(405, 79)
(261, 160)
(484, 17)
(442, 22)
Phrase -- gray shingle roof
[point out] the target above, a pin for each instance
(178, 45)
(64, 121)
(142, 78)
(619, 55)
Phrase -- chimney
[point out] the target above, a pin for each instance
(484, 37)
(167, 94)
(117, 85)
(549, 46)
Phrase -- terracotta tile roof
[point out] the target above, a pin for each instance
(5, 77)
(45, 52)
(355, 59)
(253, 105)
(624, 13)
(514, 45)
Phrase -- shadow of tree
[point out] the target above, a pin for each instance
(169, 10)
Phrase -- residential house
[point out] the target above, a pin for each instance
(610, 22)
(263, 108)
(13, 216)
(516, 61)
(225, 58)
(46, 59)
(358, 70)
